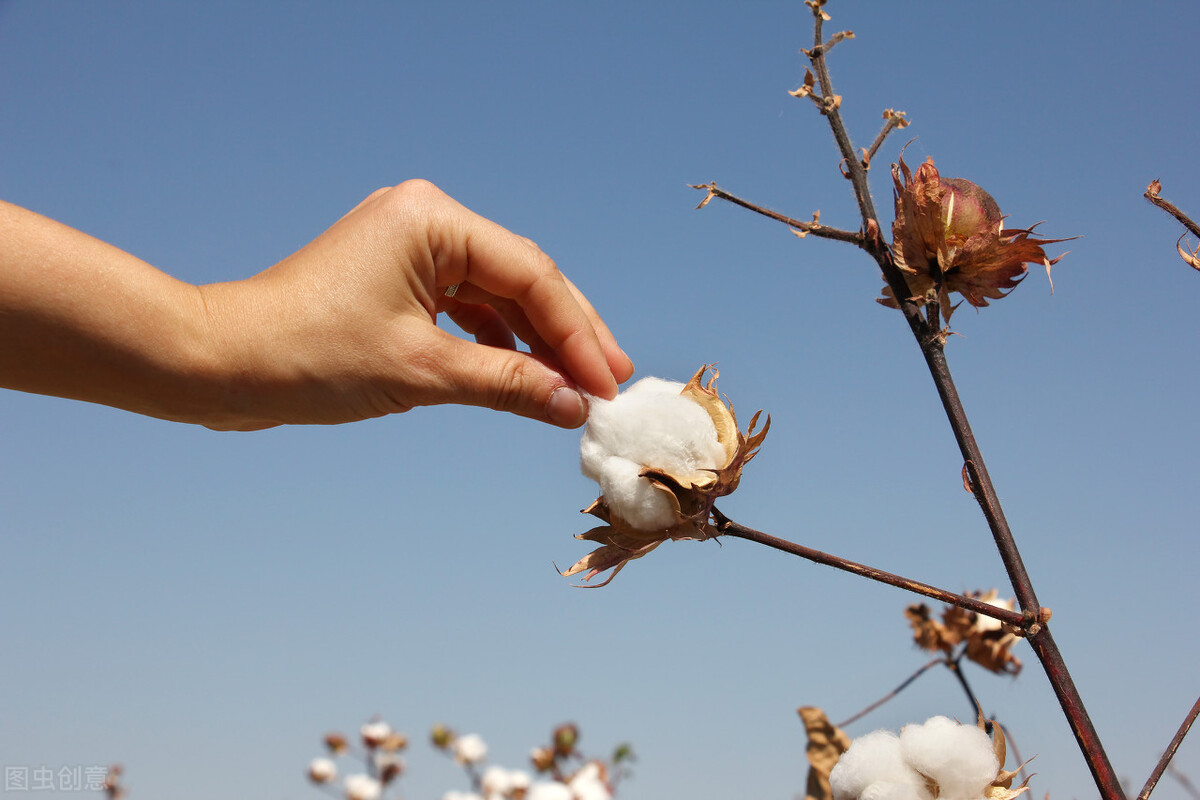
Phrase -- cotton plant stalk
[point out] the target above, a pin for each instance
(662, 452)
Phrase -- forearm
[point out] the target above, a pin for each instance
(85, 320)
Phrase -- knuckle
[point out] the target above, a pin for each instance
(414, 194)
(508, 392)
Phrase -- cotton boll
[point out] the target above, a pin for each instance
(469, 749)
(546, 790)
(649, 425)
(874, 769)
(959, 757)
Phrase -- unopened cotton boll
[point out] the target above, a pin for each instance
(959, 757)
(649, 425)
(874, 769)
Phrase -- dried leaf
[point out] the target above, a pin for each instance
(826, 743)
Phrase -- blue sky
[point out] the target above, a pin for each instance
(203, 606)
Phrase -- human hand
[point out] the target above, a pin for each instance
(344, 329)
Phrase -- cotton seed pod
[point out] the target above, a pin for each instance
(688, 494)
(565, 738)
(322, 770)
(336, 743)
(394, 743)
(441, 737)
(949, 236)
(542, 759)
(375, 733)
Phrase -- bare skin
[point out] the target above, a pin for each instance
(342, 330)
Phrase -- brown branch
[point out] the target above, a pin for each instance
(1191, 258)
(1165, 761)
(799, 228)
(727, 527)
(932, 346)
(892, 121)
(1152, 195)
(903, 685)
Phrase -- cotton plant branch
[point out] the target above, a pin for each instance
(1167, 755)
(903, 685)
(799, 228)
(1025, 622)
(931, 338)
(1192, 257)
(1184, 781)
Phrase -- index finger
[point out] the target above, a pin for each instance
(467, 248)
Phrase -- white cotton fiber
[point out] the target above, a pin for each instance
(959, 757)
(874, 769)
(649, 425)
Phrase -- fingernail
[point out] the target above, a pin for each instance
(566, 408)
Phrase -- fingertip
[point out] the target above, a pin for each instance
(566, 408)
(624, 369)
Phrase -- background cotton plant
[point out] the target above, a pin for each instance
(562, 770)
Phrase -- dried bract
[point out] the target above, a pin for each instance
(1001, 786)
(826, 743)
(659, 501)
(985, 640)
(949, 236)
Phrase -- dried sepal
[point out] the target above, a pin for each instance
(710, 187)
(949, 236)
(826, 743)
(1001, 786)
(690, 496)
(1191, 257)
(901, 119)
(806, 88)
(817, 9)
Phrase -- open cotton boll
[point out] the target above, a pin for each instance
(874, 769)
(960, 758)
(649, 425)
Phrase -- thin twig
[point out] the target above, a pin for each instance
(1184, 781)
(1170, 752)
(892, 121)
(903, 685)
(800, 228)
(727, 527)
(955, 666)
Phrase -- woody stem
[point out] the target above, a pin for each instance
(932, 347)
(727, 527)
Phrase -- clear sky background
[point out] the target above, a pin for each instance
(204, 606)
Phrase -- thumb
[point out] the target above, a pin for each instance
(504, 380)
